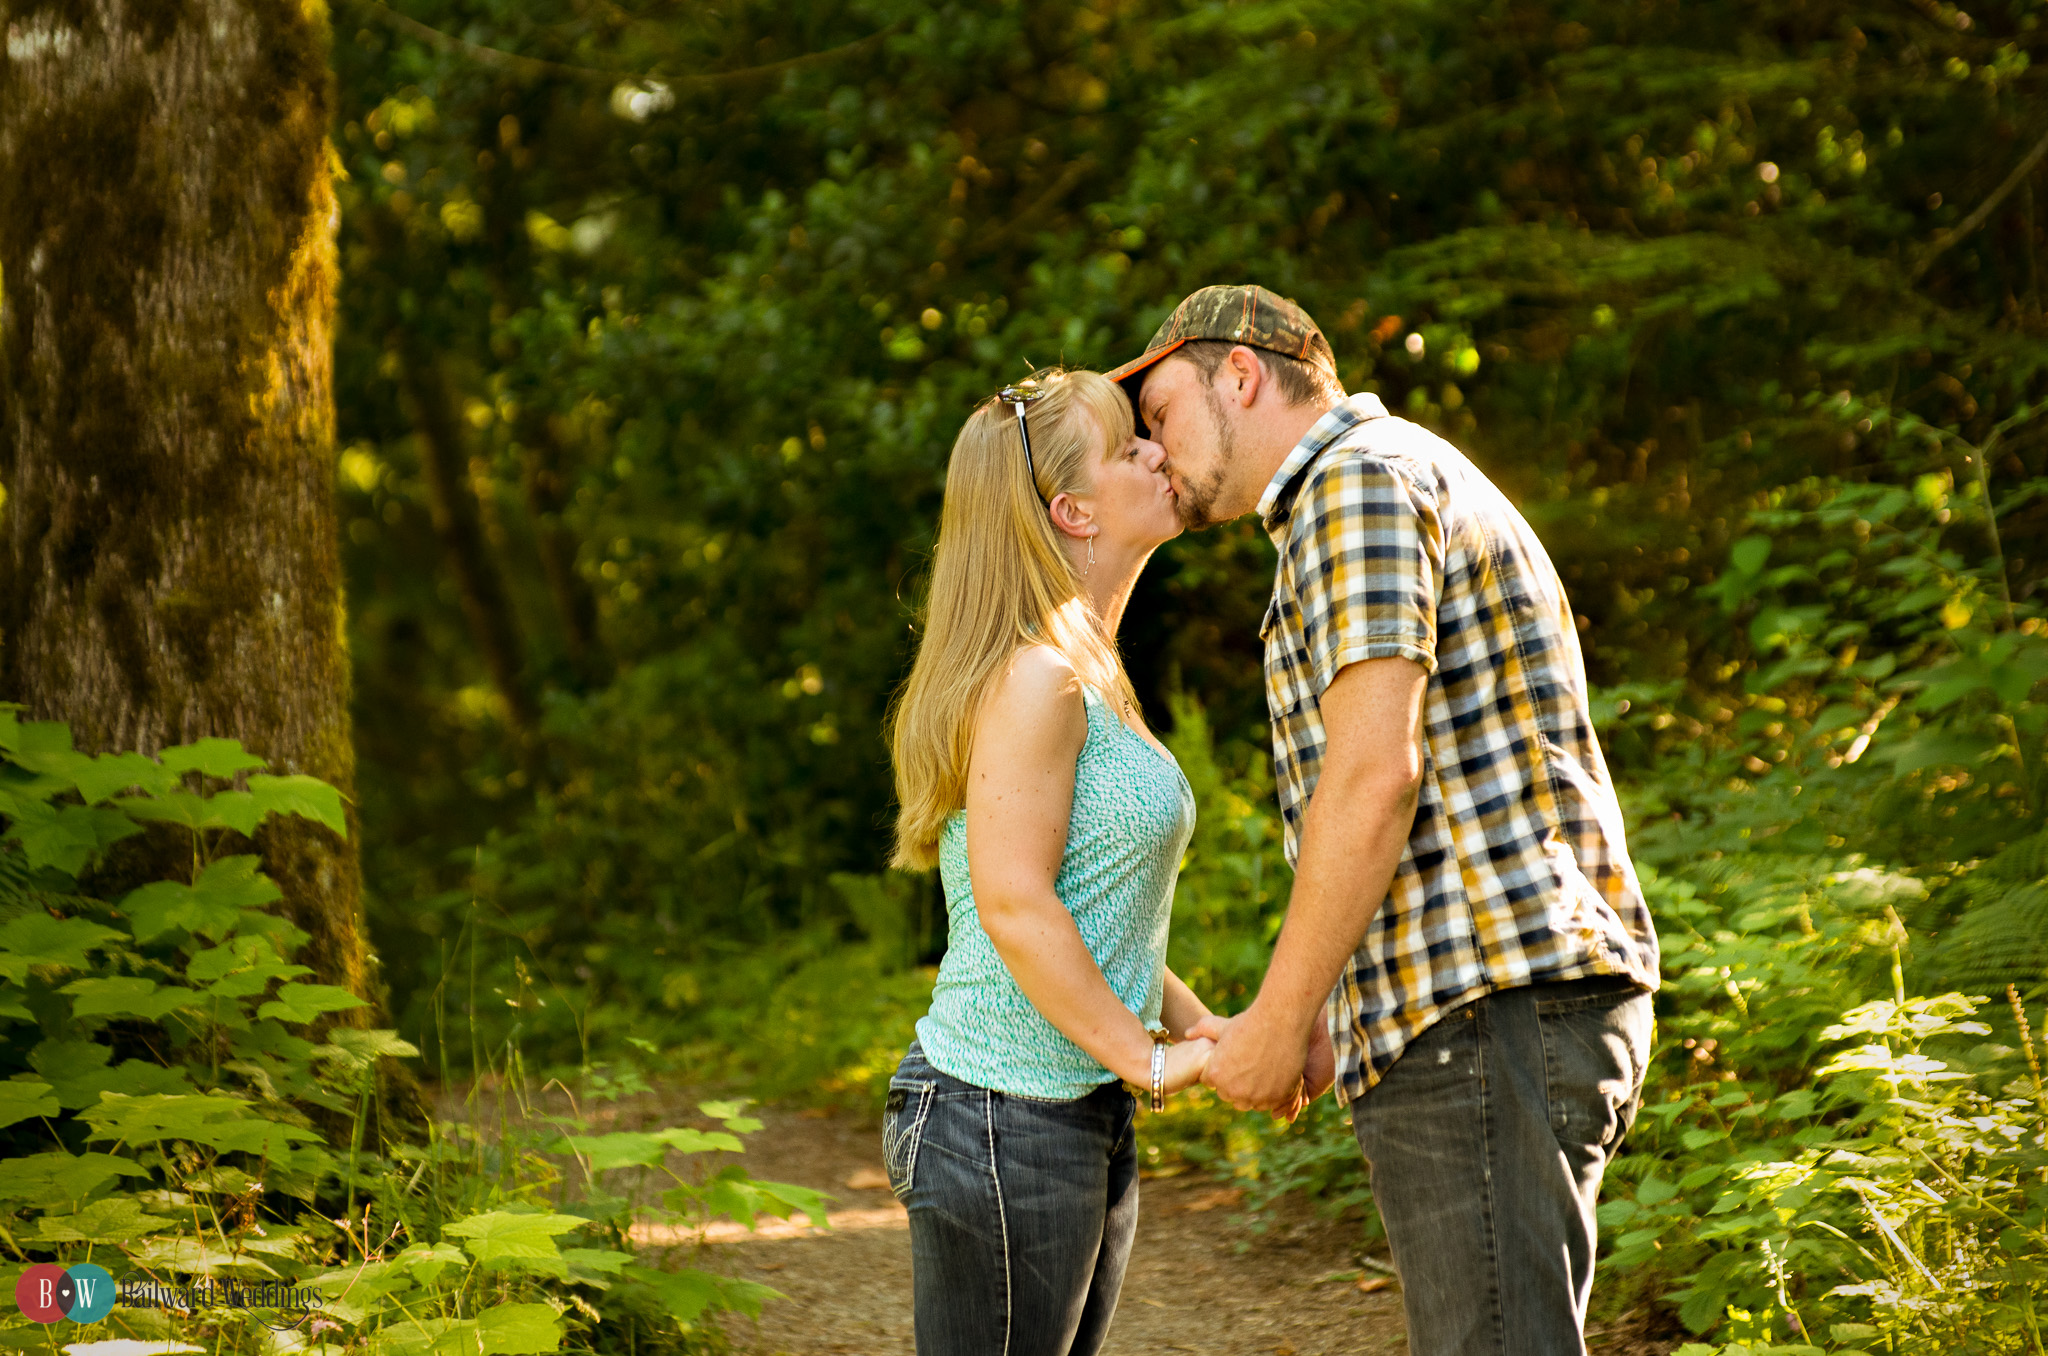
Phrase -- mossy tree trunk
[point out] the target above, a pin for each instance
(169, 568)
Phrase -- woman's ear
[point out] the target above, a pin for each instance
(1071, 517)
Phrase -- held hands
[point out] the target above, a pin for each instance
(1258, 1066)
(1185, 1062)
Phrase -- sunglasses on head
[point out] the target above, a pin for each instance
(1019, 398)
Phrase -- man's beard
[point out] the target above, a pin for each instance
(1196, 502)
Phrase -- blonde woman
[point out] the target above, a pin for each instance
(1057, 820)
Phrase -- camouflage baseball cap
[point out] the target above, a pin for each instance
(1238, 314)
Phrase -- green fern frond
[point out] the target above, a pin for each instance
(2001, 938)
(2025, 860)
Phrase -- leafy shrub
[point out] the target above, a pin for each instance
(165, 1062)
(1232, 892)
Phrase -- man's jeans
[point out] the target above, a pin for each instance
(1022, 1212)
(1487, 1140)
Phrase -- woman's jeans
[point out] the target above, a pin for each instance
(1487, 1140)
(1022, 1212)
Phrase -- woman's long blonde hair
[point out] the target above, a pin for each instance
(1000, 582)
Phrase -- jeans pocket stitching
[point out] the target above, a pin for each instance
(908, 1140)
(1553, 1077)
(1557, 1007)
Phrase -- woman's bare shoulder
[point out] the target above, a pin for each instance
(1038, 687)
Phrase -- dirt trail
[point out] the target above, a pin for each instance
(1200, 1279)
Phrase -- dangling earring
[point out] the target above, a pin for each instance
(1091, 558)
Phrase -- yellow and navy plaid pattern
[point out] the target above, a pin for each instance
(1393, 544)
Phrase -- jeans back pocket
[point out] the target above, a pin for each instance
(910, 1101)
(1596, 1049)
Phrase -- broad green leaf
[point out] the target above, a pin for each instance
(44, 748)
(223, 810)
(1702, 1307)
(221, 758)
(685, 1294)
(59, 767)
(1749, 554)
(192, 1257)
(1654, 1191)
(129, 1346)
(215, 1120)
(519, 1329)
(97, 779)
(1933, 747)
(1794, 1105)
(620, 1149)
(360, 1280)
(734, 1194)
(25, 795)
(68, 836)
(733, 1115)
(36, 938)
(500, 1235)
(27, 738)
(588, 1263)
(50, 1180)
(300, 795)
(152, 1117)
(787, 1199)
(366, 1047)
(428, 1337)
(305, 1002)
(426, 1261)
(21, 1099)
(14, 1006)
(1951, 683)
(79, 1071)
(240, 965)
(263, 1139)
(685, 1140)
(249, 982)
(209, 907)
(113, 1219)
(128, 996)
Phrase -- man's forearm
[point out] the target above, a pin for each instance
(1351, 843)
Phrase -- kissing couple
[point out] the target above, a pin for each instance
(1467, 957)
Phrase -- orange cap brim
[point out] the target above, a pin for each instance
(1131, 377)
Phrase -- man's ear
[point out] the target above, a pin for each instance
(1070, 517)
(1244, 375)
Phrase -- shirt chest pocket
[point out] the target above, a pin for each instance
(1290, 679)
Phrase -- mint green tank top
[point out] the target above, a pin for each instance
(1133, 815)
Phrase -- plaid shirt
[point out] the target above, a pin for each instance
(1392, 543)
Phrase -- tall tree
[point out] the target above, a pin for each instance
(169, 568)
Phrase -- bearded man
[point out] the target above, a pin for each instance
(1467, 956)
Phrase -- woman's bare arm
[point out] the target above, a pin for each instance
(1020, 792)
(1179, 1009)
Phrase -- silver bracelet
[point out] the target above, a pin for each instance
(1158, 1071)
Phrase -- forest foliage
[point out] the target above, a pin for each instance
(186, 1115)
(648, 383)
(1741, 304)
(656, 326)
